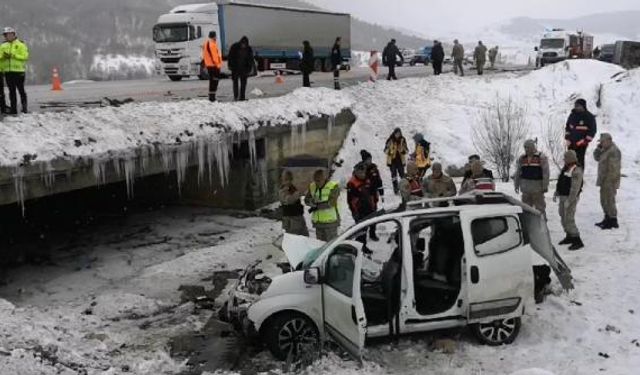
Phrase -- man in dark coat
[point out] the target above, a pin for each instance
(241, 64)
(389, 55)
(306, 65)
(336, 62)
(437, 57)
(580, 130)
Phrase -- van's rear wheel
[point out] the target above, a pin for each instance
(291, 336)
(498, 332)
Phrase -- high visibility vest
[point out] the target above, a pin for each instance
(531, 167)
(18, 53)
(422, 160)
(321, 195)
(211, 54)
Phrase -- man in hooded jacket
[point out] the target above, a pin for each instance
(241, 64)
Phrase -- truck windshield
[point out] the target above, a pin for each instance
(552, 43)
(170, 33)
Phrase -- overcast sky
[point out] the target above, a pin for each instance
(429, 16)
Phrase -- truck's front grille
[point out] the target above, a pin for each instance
(170, 60)
(550, 54)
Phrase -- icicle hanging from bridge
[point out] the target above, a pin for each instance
(18, 182)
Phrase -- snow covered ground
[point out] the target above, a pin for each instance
(113, 67)
(111, 303)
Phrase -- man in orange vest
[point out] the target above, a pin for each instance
(213, 62)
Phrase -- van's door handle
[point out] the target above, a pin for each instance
(353, 315)
(475, 275)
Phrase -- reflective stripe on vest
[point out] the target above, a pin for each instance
(321, 195)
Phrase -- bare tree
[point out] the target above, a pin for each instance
(501, 131)
(553, 139)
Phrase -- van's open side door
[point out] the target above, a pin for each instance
(344, 317)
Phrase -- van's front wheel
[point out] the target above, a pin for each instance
(291, 336)
(498, 332)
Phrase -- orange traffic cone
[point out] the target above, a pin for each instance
(279, 78)
(56, 85)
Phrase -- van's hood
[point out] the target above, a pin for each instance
(296, 248)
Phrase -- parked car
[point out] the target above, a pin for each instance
(439, 263)
(407, 54)
(422, 56)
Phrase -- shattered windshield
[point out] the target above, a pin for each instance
(170, 33)
(552, 43)
(310, 258)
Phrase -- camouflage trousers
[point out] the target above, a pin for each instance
(608, 200)
(567, 210)
(535, 200)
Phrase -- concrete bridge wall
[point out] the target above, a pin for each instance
(241, 171)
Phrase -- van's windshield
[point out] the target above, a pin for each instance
(171, 33)
(552, 43)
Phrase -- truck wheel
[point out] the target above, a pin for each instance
(175, 78)
(498, 332)
(290, 336)
(326, 66)
(412, 63)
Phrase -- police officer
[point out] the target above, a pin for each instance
(14, 55)
(609, 161)
(580, 130)
(568, 191)
(532, 176)
(322, 199)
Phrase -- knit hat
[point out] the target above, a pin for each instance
(436, 167)
(364, 154)
(582, 103)
(530, 143)
(360, 167)
(570, 157)
(418, 137)
(606, 136)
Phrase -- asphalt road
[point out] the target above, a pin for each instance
(93, 94)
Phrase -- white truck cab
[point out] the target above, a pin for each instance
(439, 263)
(179, 36)
(554, 47)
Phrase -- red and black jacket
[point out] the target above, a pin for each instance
(581, 128)
(361, 198)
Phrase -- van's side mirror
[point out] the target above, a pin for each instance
(535, 49)
(312, 276)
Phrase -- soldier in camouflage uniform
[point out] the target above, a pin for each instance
(609, 161)
(568, 191)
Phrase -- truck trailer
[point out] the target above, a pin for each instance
(275, 33)
(627, 54)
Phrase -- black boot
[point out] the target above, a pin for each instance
(603, 222)
(212, 97)
(396, 188)
(567, 241)
(576, 244)
(610, 223)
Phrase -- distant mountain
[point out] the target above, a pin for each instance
(623, 24)
(111, 39)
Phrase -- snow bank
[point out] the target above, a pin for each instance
(114, 67)
(117, 305)
(446, 108)
(103, 132)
